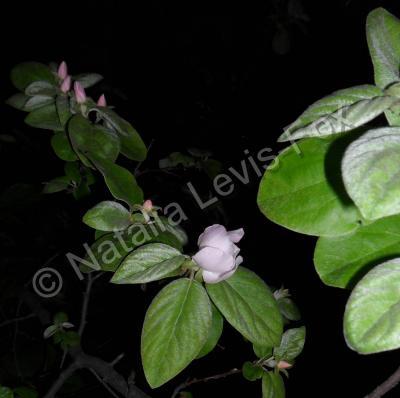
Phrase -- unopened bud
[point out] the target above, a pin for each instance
(80, 94)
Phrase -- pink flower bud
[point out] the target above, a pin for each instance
(66, 84)
(284, 365)
(80, 94)
(147, 205)
(102, 102)
(62, 71)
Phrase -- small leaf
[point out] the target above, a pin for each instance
(108, 216)
(372, 316)
(329, 105)
(305, 192)
(370, 170)
(262, 351)
(18, 101)
(175, 329)
(292, 344)
(272, 385)
(25, 392)
(62, 147)
(345, 119)
(121, 183)
(22, 75)
(343, 260)
(57, 185)
(50, 331)
(252, 372)
(88, 79)
(289, 309)
(215, 332)
(148, 263)
(45, 117)
(63, 108)
(41, 87)
(36, 102)
(93, 140)
(248, 305)
(132, 145)
(383, 34)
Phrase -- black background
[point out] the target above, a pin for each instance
(187, 74)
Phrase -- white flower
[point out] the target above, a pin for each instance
(218, 254)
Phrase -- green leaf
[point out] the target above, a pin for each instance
(57, 185)
(6, 392)
(248, 305)
(175, 329)
(272, 385)
(17, 101)
(289, 309)
(62, 147)
(108, 216)
(93, 140)
(305, 192)
(214, 334)
(372, 316)
(132, 145)
(110, 249)
(263, 351)
(326, 106)
(343, 260)
(36, 102)
(345, 119)
(292, 344)
(45, 117)
(72, 171)
(63, 108)
(41, 87)
(25, 392)
(370, 170)
(252, 372)
(148, 263)
(22, 75)
(383, 34)
(88, 79)
(121, 183)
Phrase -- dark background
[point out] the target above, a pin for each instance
(190, 74)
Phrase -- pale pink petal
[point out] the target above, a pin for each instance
(66, 84)
(148, 205)
(214, 260)
(216, 236)
(236, 235)
(211, 277)
(239, 260)
(62, 70)
(80, 94)
(102, 101)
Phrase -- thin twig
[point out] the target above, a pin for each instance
(85, 305)
(191, 382)
(62, 378)
(386, 386)
(104, 384)
(21, 318)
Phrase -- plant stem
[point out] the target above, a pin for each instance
(386, 386)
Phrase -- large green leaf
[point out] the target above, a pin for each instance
(272, 385)
(110, 249)
(292, 344)
(249, 306)
(343, 260)
(121, 183)
(383, 34)
(175, 329)
(45, 117)
(148, 263)
(214, 334)
(305, 193)
(93, 140)
(371, 175)
(41, 87)
(25, 103)
(372, 317)
(132, 145)
(22, 75)
(63, 108)
(108, 216)
(6, 392)
(62, 147)
(88, 79)
(312, 118)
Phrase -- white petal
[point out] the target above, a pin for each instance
(236, 235)
(216, 236)
(214, 260)
(211, 277)
(239, 260)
